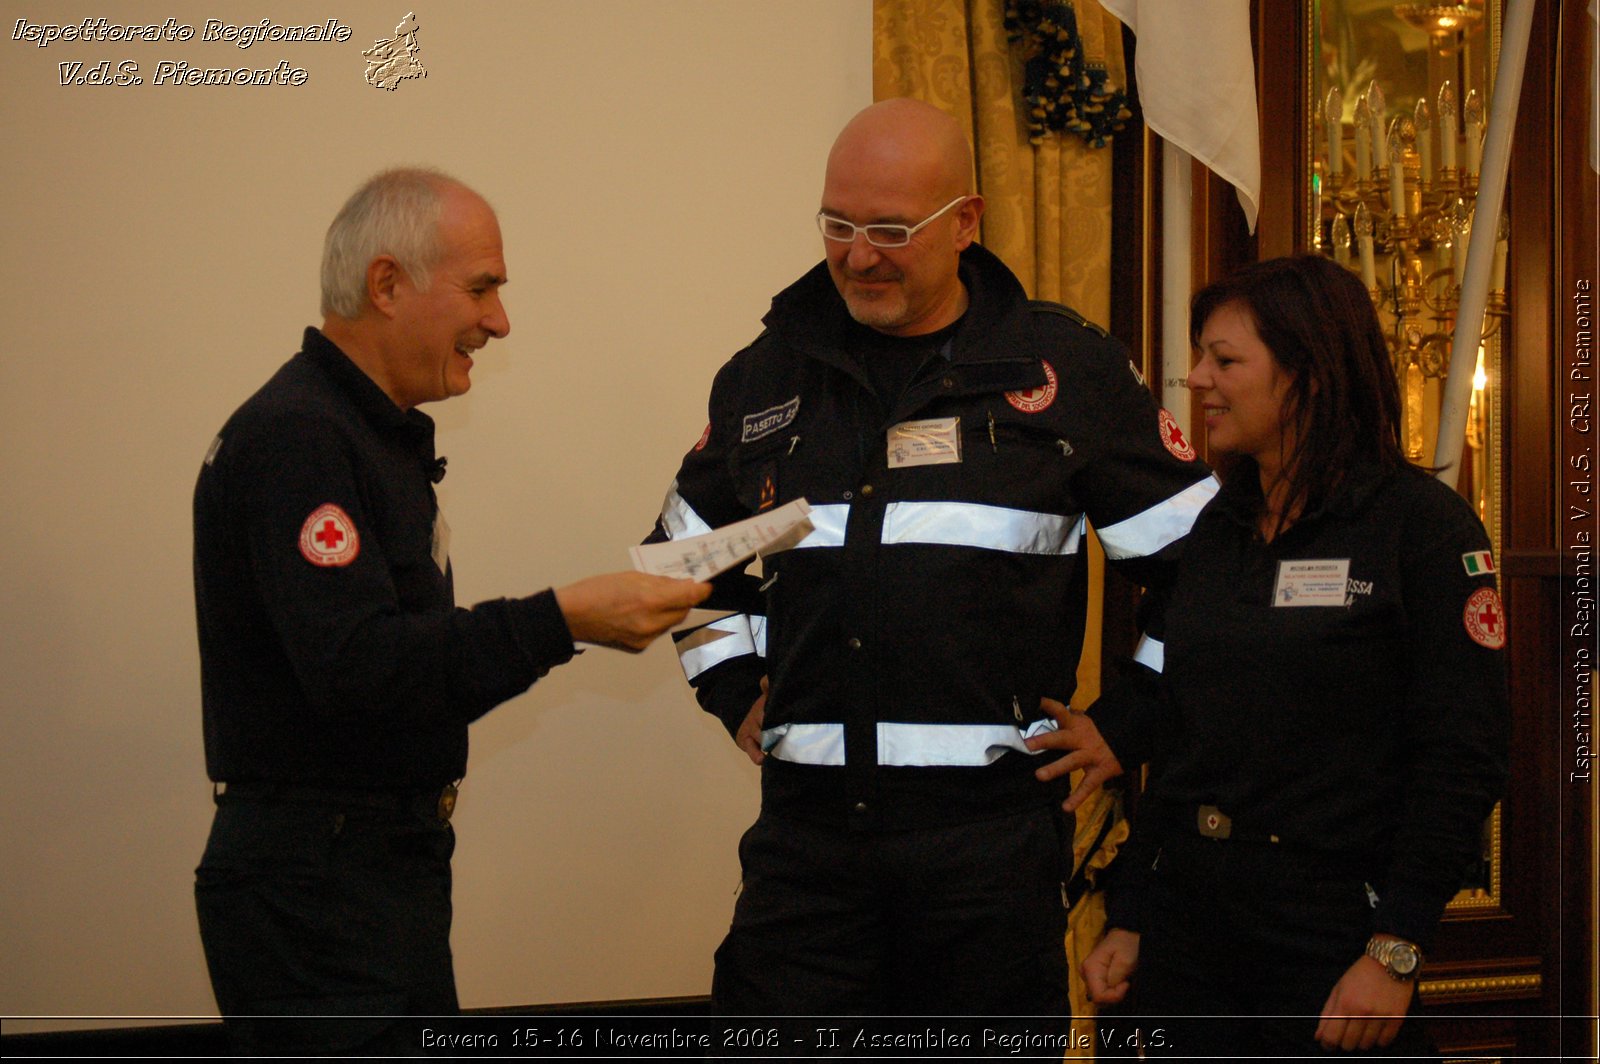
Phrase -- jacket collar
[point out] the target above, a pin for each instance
(1240, 498)
(811, 316)
(363, 392)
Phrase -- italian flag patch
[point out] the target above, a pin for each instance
(1478, 562)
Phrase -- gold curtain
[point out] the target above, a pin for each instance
(1048, 217)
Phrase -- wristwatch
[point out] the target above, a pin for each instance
(1399, 958)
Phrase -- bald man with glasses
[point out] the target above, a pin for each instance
(892, 672)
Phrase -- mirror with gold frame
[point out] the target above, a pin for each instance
(1398, 97)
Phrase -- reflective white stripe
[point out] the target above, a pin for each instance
(827, 526)
(702, 649)
(953, 744)
(970, 524)
(679, 518)
(905, 745)
(1166, 522)
(956, 524)
(805, 744)
(1151, 653)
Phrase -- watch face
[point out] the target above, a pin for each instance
(1404, 958)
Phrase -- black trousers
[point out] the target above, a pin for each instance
(325, 921)
(1243, 942)
(961, 921)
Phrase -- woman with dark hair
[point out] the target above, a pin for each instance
(1329, 729)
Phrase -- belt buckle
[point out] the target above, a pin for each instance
(1213, 823)
(447, 802)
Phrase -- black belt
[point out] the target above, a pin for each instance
(438, 804)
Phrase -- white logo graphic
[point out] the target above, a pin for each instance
(391, 62)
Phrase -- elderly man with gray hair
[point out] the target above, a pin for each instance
(338, 676)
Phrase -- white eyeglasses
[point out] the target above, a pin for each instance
(879, 235)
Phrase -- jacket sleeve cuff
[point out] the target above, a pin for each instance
(542, 631)
(730, 690)
(1125, 887)
(1411, 915)
(1127, 713)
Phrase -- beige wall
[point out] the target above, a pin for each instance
(655, 164)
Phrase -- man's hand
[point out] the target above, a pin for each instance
(1075, 733)
(626, 611)
(1107, 967)
(1365, 1008)
(749, 736)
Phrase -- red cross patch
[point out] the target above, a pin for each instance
(328, 538)
(1172, 437)
(1033, 400)
(1485, 618)
(705, 438)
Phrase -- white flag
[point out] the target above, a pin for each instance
(1197, 84)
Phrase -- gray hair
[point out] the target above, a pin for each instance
(395, 213)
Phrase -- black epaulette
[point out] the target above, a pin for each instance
(1044, 306)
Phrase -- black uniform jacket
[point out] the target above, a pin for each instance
(1373, 725)
(909, 638)
(331, 651)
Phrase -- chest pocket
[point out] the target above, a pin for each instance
(1020, 464)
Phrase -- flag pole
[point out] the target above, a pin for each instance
(1480, 248)
(1177, 211)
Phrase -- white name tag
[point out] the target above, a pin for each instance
(931, 442)
(441, 541)
(1311, 583)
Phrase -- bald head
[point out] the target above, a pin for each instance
(909, 143)
(901, 163)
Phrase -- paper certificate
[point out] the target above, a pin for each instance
(702, 557)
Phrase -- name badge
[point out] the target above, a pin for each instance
(935, 441)
(441, 541)
(1312, 583)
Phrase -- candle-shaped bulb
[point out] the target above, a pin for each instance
(1380, 140)
(1422, 121)
(1422, 117)
(1396, 144)
(1369, 270)
(1447, 126)
(1472, 116)
(1363, 119)
(1333, 106)
(1333, 121)
(1341, 240)
(1447, 102)
(1461, 226)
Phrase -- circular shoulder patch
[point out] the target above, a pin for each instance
(1172, 438)
(1485, 618)
(705, 438)
(328, 537)
(1033, 400)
